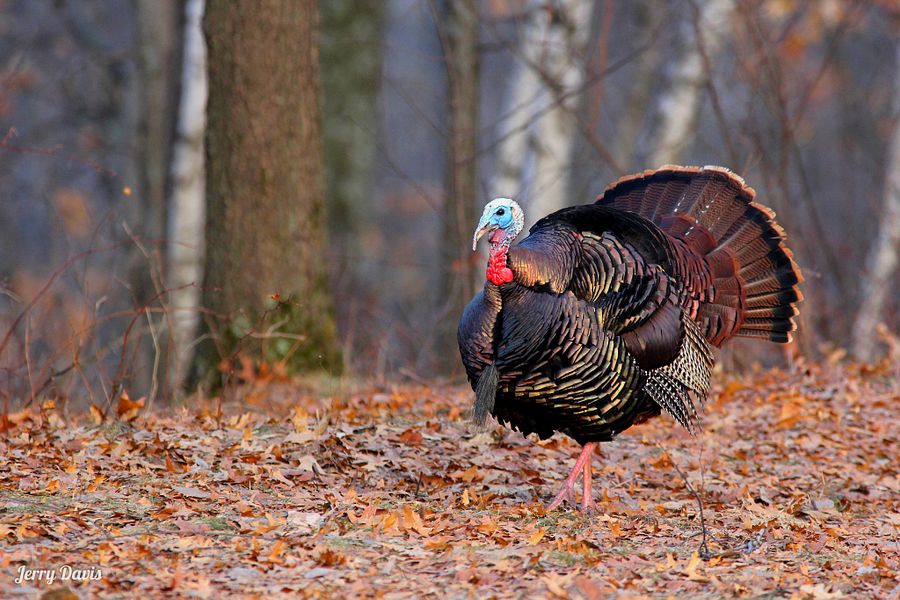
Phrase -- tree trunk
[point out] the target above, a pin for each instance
(459, 207)
(884, 256)
(186, 201)
(679, 105)
(265, 284)
(640, 92)
(158, 57)
(534, 161)
(351, 76)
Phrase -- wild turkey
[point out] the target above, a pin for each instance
(606, 313)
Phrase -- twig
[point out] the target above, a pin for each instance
(711, 86)
(774, 70)
(53, 277)
(418, 379)
(28, 361)
(54, 375)
(138, 311)
(704, 549)
(154, 380)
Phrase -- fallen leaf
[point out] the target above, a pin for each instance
(411, 437)
(190, 492)
(128, 409)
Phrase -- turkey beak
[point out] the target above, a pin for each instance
(483, 227)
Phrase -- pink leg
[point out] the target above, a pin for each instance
(587, 500)
(567, 491)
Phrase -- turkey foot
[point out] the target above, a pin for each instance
(567, 491)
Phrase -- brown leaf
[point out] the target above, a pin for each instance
(171, 467)
(300, 419)
(128, 409)
(411, 437)
(469, 475)
(590, 589)
(163, 514)
(554, 585)
(190, 492)
(96, 414)
(487, 526)
(791, 412)
(440, 542)
(330, 558)
(413, 522)
(275, 553)
(537, 536)
(691, 569)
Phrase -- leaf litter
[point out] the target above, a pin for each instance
(392, 492)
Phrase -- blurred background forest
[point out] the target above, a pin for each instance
(428, 109)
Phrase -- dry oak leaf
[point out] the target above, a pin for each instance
(128, 409)
(469, 475)
(411, 437)
(412, 521)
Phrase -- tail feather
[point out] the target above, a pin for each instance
(772, 336)
(712, 213)
(771, 312)
(777, 298)
(768, 265)
(783, 325)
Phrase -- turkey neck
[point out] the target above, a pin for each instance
(498, 272)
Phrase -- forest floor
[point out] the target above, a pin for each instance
(393, 493)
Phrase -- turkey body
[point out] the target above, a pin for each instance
(614, 307)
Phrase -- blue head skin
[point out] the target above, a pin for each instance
(500, 214)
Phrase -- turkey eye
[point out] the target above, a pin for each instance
(501, 212)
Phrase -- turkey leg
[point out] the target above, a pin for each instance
(567, 491)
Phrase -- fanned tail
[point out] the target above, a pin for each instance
(743, 274)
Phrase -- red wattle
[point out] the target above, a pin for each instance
(497, 271)
(504, 275)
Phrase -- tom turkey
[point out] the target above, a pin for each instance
(606, 313)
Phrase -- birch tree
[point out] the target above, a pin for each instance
(186, 201)
(678, 108)
(884, 256)
(533, 162)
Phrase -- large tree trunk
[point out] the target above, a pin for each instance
(187, 201)
(679, 105)
(459, 206)
(265, 280)
(884, 257)
(534, 161)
